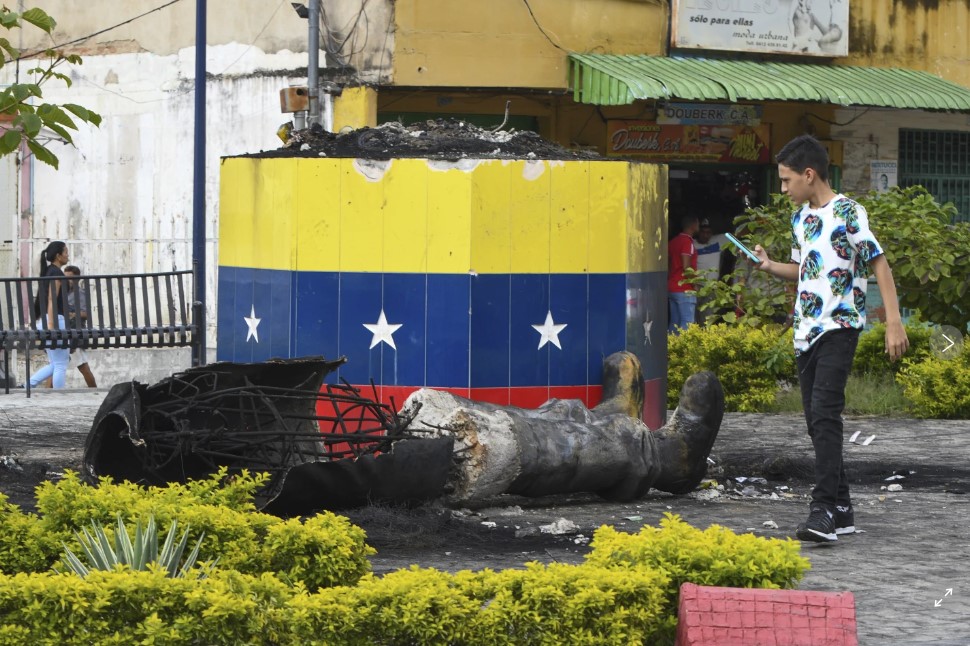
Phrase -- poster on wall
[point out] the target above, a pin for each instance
(650, 141)
(882, 174)
(798, 27)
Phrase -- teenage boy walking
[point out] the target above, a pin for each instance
(833, 251)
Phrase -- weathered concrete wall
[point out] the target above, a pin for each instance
(122, 198)
(929, 35)
(270, 26)
(497, 43)
(874, 134)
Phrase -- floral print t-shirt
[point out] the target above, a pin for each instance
(833, 247)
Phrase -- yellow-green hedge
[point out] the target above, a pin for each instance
(557, 604)
(625, 593)
(715, 556)
(125, 607)
(324, 550)
(748, 361)
(938, 387)
(871, 357)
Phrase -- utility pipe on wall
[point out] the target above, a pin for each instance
(198, 187)
(313, 62)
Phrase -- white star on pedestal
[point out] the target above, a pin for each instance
(382, 331)
(252, 323)
(549, 331)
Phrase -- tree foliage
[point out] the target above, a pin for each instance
(928, 254)
(28, 119)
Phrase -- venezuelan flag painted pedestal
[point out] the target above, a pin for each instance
(504, 281)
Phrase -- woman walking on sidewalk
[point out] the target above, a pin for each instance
(77, 308)
(52, 259)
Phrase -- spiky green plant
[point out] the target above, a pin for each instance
(139, 554)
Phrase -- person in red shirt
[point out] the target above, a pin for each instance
(680, 255)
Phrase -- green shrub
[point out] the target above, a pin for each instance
(586, 604)
(870, 354)
(106, 550)
(749, 362)
(625, 593)
(130, 607)
(24, 546)
(938, 387)
(555, 604)
(322, 551)
(927, 254)
(715, 556)
(240, 537)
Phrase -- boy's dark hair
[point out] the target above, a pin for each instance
(803, 152)
(73, 269)
(687, 221)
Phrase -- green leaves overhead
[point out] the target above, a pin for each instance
(39, 18)
(35, 123)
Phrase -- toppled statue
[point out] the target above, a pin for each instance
(564, 447)
(328, 446)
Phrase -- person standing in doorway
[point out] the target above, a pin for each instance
(709, 247)
(77, 312)
(681, 254)
(52, 259)
(833, 251)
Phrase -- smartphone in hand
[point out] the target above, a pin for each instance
(755, 259)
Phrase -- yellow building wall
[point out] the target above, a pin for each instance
(498, 44)
(929, 35)
(421, 216)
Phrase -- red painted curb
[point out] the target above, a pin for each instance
(712, 616)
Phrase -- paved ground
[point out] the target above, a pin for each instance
(915, 543)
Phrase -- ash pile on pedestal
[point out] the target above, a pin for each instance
(446, 139)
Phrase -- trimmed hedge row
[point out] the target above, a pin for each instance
(939, 387)
(748, 361)
(324, 550)
(625, 592)
(752, 362)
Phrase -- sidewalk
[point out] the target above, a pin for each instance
(915, 543)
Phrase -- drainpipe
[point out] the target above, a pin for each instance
(313, 62)
(198, 187)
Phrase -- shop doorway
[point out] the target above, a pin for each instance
(715, 193)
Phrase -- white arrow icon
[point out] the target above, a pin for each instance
(952, 342)
(939, 602)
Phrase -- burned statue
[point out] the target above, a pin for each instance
(325, 446)
(329, 446)
(564, 447)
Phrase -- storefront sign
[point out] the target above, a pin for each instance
(882, 174)
(799, 27)
(649, 141)
(709, 113)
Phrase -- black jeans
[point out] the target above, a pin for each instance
(822, 373)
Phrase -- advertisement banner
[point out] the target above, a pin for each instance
(798, 27)
(649, 141)
(882, 174)
(710, 113)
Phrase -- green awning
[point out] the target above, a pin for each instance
(603, 79)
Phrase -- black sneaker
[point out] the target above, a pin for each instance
(844, 520)
(820, 526)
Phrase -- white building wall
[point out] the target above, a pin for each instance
(874, 134)
(122, 198)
